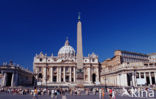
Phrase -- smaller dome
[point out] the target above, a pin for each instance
(66, 51)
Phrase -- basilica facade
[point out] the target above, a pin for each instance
(68, 68)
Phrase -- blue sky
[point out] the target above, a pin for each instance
(30, 26)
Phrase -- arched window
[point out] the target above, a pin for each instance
(40, 59)
(40, 75)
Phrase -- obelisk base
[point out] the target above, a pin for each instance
(80, 76)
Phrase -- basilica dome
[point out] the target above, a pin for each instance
(66, 51)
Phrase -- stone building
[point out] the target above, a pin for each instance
(125, 57)
(152, 57)
(68, 67)
(128, 69)
(12, 75)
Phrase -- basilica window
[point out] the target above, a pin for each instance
(72, 79)
(67, 78)
(40, 75)
(93, 60)
(137, 75)
(54, 78)
(142, 75)
(61, 79)
(40, 59)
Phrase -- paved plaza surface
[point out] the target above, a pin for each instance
(6, 96)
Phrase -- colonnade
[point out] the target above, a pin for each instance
(61, 74)
(121, 79)
(12, 80)
(145, 75)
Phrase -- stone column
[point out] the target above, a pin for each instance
(70, 74)
(139, 74)
(44, 75)
(51, 74)
(4, 79)
(150, 78)
(114, 80)
(64, 74)
(97, 75)
(125, 80)
(118, 80)
(74, 74)
(60, 74)
(145, 77)
(12, 79)
(134, 79)
(57, 74)
(89, 75)
(155, 76)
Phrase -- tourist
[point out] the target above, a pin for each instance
(55, 93)
(64, 95)
(100, 93)
(52, 93)
(103, 93)
(113, 94)
(94, 91)
(35, 93)
(110, 93)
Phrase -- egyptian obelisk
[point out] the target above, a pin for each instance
(79, 57)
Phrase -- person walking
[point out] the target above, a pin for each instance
(100, 93)
(110, 93)
(113, 94)
(52, 93)
(103, 93)
(63, 95)
(35, 93)
(55, 93)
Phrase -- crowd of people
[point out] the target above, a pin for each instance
(55, 92)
